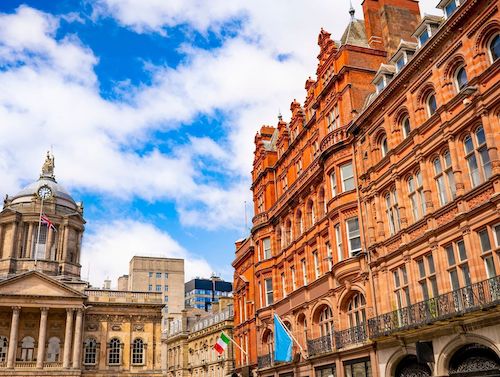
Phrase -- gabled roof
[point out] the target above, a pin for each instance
(36, 283)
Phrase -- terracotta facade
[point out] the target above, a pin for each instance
(376, 206)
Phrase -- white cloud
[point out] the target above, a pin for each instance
(108, 248)
(50, 96)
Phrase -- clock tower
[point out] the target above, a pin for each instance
(51, 246)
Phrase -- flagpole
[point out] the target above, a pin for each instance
(236, 344)
(291, 335)
(38, 232)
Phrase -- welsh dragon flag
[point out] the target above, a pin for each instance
(222, 343)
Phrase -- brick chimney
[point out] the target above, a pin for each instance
(389, 21)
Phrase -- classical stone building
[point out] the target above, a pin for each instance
(52, 323)
(190, 341)
(376, 228)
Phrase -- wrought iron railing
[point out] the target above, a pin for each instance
(353, 335)
(265, 361)
(320, 345)
(473, 297)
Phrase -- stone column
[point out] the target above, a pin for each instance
(29, 242)
(12, 247)
(14, 327)
(456, 166)
(42, 335)
(426, 180)
(48, 243)
(67, 338)
(65, 244)
(77, 343)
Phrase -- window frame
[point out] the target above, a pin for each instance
(351, 235)
(406, 129)
(137, 356)
(269, 292)
(490, 45)
(347, 178)
(431, 110)
(456, 78)
(115, 352)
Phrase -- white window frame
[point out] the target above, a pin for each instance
(338, 240)
(294, 278)
(303, 264)
(317, 266)
(347, 178)
(269, 291)
(352, 235)
(267, 248)
(283, 284)
(333, 183)
(329, 255)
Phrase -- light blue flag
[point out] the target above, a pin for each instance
(282, 342)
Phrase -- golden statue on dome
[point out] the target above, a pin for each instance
(48, 166)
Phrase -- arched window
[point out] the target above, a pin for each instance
(27, 348)
(322, 202)
(114, 352)
(288, 232)
(90, 351)
(405, 125)
(384, 147)
(299, 223)
(461, 79)
(431, 104)
(443, 176)
(416, 195)
(310, 212)
(53, 349)
(138, 352)
(392, 211)
(356, 310)
(3, 348)
(268, 341)
(302, 327)
(474, 357)
(494, 47)
(410, 366)
(325, 321)
(478, 159)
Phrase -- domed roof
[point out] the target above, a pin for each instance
(47, 178)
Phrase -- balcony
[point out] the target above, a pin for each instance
(260, 218)
(265, 361)
(337, 340)
(353, 335)
(474, 297)
(319, 345)
(338, 135)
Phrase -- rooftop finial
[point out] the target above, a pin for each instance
(280, 117)
(48, 166)
(351, 10)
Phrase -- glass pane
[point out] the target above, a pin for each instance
(411, 187)
(419, 179)
(434, 285)
(480, 136)
(447, 159)
(490, 267)
(461, 250)
(396, 279)
(450, 8)
(407, 295)
(405, 277)
(495, 47)
(423, 37)
(430, 263)
(496, 229)
(425, 291)
(466, 274)
(421, 268)
(451, 255)
(461, 78)
(454, 279)
(485, 160)
(468, 144)
(437, 166)
(473, 170)
(485, 240)
(432, 104)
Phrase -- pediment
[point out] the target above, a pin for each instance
(34, 283)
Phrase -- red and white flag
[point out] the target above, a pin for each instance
(46, 221)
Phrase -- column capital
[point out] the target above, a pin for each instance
(44, 309)
(70, 310)
(16, 309)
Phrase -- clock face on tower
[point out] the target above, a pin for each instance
(44, 192)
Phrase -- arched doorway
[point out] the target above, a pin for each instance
(474, 360)
(410, 367)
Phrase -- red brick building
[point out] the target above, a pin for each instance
(377, 205)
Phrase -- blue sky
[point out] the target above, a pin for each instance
(151, 108)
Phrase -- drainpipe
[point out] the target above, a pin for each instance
(362, 228)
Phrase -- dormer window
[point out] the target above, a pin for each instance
(380, 84)
(424, 36)
(450, 7)
(400, 63)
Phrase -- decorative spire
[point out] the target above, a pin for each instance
(351, 11)
(48, 167)
(280, 117)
